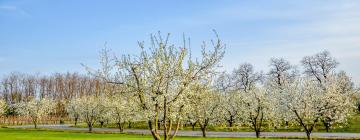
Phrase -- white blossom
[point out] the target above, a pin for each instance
(3, 106)
(35, 109)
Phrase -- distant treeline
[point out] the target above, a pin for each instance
(17, 87)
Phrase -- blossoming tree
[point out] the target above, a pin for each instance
(256, 107)
(35, 109)
(74, 110)
(205, 106)
(160, 75)
(123, 109)
(3, 106)
(309, 103)
(91, 109)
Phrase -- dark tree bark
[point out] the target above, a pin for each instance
(203, 127)
(257, 132)
(308, 127)
(231, 121)
(327, 124)
(76, 121)
(129, 124)
(159, 125)
(203, 130)
(121, 126)
(193, 126)
(90, 126)
(101, 124)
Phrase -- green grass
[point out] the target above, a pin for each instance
(352, 127)
(31, 134)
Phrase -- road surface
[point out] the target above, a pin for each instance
(209, 134)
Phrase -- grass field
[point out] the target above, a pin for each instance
(353, 126)
(29, 134)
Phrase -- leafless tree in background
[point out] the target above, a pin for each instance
(245, 77)
(281, 72)
(320, 66)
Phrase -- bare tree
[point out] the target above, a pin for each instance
(319, 66)
(281, 72)
(245, 77)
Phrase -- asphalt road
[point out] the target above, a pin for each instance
(209, 134)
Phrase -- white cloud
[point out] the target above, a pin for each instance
(6, 9)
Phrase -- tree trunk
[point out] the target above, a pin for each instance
(101, 124)
(129, 126)
(231, 121)
(121, 127)
(90, 127)
(35, 122)
(76, 121)
(203, 130)
(155, 135)
(326, 125)
(308, 135)
(257, 133)
(193, 126)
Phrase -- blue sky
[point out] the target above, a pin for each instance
(47, 36)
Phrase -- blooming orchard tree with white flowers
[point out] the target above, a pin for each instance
(3, 106)
(321, 67)
(35, 109)
(305, 100)
(256, 107)
(339, 93)
(106, 116)
(91, 109)
(231, 102)
(225, 85)
(73, 108)
(191, 119)
(159, 77)
(205, 106)
(309, 102)
(123, 109)
(280, 75)
(167, 86)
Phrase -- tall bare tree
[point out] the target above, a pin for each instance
(319, 66)
(245, 77)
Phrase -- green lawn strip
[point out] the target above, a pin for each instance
(352, 127)
(42, 134)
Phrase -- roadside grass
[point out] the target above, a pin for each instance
(352, 127)
(42, 134)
